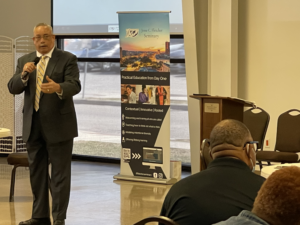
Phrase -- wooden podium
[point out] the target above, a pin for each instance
(213, 109)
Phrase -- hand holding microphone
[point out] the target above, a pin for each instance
(29, 68)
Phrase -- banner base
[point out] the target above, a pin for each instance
(146, 179)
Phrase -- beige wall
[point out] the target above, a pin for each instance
(223, 47)
(195, 24)
(269, 55)
(268, 36)
(18, 17)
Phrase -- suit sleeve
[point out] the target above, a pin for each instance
(15, 84)
(71, 85)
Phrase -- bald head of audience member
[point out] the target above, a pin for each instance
(278, 200)
(230, 138)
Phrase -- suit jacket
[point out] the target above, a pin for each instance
(58, 117)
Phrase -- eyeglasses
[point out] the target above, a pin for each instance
(45, 37)
(253, 143)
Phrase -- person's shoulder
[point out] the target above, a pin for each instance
(250, 177)
(258, 178)
(28, 56)
(234, 220)
(187, 182)
(245, 217)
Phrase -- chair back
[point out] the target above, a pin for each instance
(205, 157)
(257, 123)
(288, 132)
(160, 219)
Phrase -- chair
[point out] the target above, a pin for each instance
(257, 120)
(287, 140)
(205, 157)
(160, 219)
(18, 160)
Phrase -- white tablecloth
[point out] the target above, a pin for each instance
(4, 132)
(268, 170)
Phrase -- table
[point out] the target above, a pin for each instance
(4, 132)
(5, 145)
(268, 170)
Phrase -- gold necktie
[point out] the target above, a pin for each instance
(40, 78)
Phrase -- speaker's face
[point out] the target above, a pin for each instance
(43, 39)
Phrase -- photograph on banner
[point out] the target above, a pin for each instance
(128, 93)
(162, 95)
(145, 94)
(145, 48)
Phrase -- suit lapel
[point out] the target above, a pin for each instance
(50, 67)
(51, 64)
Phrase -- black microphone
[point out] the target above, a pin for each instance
(35, 61)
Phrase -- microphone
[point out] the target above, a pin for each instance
(35, 61)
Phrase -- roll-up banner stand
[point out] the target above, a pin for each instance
(145, 96)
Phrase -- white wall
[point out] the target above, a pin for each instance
(269, 55)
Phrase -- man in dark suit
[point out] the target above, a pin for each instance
(225, 188)
(49, 122)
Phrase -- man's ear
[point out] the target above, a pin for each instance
(209, 147)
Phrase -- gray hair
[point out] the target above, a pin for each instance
(43, 25)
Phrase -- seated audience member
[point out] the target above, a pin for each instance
(277, 202)
(225, 188)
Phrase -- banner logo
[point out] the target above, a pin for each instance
(131, 33)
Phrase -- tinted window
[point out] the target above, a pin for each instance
(110, 48)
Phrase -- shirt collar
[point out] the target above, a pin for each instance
(252, 217)
(49, 54)
(227, 161)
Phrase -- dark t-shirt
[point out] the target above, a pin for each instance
(224, 189)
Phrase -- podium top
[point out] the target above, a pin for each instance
(239, 100)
